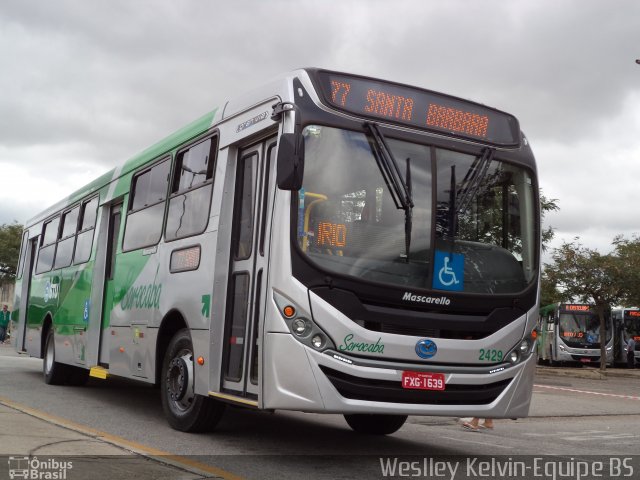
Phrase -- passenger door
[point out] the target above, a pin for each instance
(248, 268)
(27, 267)
(113, 230)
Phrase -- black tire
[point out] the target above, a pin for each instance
(375, 424)
(78, 376)
(185, 411)
(54, 373)
(552, 362)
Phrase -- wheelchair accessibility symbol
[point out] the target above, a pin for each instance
(448, 271)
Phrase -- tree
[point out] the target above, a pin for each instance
(589, 276)
(547, 205)
(10, 238)
(549, 291)
(628, 250)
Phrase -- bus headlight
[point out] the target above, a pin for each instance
(514, 356)
(300, 324)
(521, 351)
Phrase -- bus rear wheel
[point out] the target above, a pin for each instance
(54, 373)
(375, 424)
(185, 410)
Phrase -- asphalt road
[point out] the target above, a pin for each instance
(571, 417)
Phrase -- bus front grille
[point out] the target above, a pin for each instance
(586, 358)
(357, 388)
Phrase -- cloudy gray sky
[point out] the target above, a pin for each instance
(87, 84)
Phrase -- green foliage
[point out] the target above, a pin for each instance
(628, 250)
(549, 293)
(547, 205)
(588, 276)
(10, 237)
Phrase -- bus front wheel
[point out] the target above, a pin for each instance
(185, 410)
(375, 424)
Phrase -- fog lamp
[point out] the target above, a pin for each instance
(317, 341)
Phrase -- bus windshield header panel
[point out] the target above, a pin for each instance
(419, 108)
(575, 308)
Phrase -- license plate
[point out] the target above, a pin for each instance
(423, 380)
(585, 360)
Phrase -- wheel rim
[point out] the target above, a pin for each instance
(180, 381)
(50, 354)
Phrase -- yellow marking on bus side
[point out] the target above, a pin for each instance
(99, 372)
(233, 398)
(154, 453)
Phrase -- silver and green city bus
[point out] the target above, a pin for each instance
(570, 333)
(325, 243)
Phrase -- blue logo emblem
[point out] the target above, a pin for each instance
(426, 348)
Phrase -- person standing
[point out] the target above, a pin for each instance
(5, 317)
(631, 352)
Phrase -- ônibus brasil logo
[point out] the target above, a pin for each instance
(32, 468)
(412, 297)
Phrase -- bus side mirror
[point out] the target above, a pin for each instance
(290, 161)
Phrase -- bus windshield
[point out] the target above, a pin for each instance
(632, 324)
(582, 330)
(348, 221)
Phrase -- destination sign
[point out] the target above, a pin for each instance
(331, 234)
(419, 108)
(575, 308)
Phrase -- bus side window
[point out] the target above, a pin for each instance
(143, 227)
(48, 246)
(243, 232)
(69, 226)
(188, 212)
(23, 253)
(84, 241)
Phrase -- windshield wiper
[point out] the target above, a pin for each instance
(400, 190)
(473, 179)
(453, 209)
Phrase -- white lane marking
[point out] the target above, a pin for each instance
(574, 390)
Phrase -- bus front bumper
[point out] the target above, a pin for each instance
(583, 355)
(299, 378)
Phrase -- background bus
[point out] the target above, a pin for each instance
(326, 243)
(627, 324)
(570, 333)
